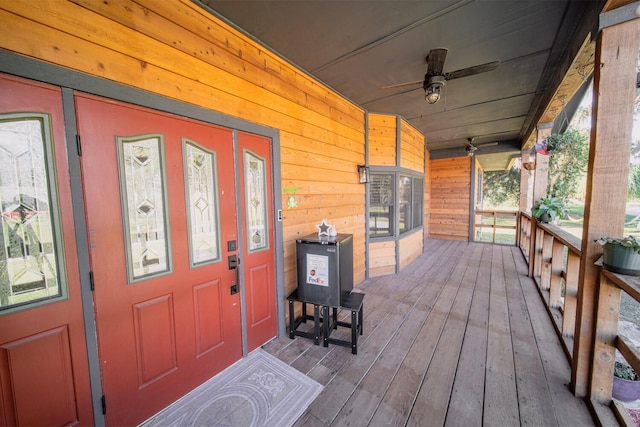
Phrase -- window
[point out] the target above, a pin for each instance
(410, 204)
(381, 205)
(31, 258)
(144, 200)
(383, 201)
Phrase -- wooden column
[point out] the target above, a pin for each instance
(525, 174)
(616, 58)
(540, 180)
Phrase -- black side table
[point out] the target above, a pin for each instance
(355, 303)
(294, 323)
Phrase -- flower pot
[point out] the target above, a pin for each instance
(545, 218)
(625, 390)
(621, 259)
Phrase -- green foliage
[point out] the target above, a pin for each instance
(553, 206)
(627, 242)
(634, 182)
(568, 162)
(625, 371)
(502, 189)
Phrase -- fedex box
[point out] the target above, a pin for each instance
(325, 268)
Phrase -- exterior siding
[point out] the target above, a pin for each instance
(178, 50)
(450, 197)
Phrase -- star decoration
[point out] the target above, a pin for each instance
(323, 228)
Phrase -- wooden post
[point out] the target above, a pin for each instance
(540, 181)
(616, 58)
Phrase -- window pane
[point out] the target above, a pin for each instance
(144, 205)
(381, 205)
(202, 203)
(256, 201)
(404, 207)
(380, 220)
(381, 190)
(30, 256)
(418, 204)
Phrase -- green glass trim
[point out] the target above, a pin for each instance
(145, 208)
(255, 189)
(202, 204)
(27, 233)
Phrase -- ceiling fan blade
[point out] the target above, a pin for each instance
(415, 83)
(487, 144)
(435, 61)
(469, 71)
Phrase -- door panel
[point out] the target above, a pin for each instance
(166, 319)
(258, 256)
(44, 378)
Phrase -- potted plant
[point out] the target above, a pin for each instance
(626, 383)
(621, 255)
(548, 209)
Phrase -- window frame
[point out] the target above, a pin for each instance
(415, 201)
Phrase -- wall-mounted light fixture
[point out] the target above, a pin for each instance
(363, 174)
(433, 88)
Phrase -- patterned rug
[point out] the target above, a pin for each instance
(259, 390)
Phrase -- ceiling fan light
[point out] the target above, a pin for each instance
(433, 88)
(432, 94)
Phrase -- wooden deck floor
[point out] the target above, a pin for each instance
(459, 338)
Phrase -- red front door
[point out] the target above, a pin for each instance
(258, 249)
(161, 218)
(44, 377)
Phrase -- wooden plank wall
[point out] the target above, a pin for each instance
(426, 223)
(178, 50)
(412, 148)
(382, 139)
(382, 258)
(410, 249)
(450, 192)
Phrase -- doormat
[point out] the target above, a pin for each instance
(259, 390)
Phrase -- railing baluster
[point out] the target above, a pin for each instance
(555, 285)
(546, 257)
(570, 294)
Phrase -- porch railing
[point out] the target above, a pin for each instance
(495, 226)
(553, 256)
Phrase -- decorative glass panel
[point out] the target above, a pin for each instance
(256, 201)
(202, 203)
(145, 212)
(30, 256)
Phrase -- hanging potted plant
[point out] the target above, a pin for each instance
(626, 383)
(548, 209)
(621, 255)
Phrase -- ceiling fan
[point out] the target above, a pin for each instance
(471, 147)
(434, 79)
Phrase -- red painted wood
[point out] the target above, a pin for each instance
(258, 267)
(44, 377)
(158, 338)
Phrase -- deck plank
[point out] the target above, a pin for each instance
(460, 337)
(467, 397)
(501, 395)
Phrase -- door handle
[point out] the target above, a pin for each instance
(234, 262)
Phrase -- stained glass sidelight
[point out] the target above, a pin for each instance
(145, 213)
(31, 250)
(256, 201)
(202, 203)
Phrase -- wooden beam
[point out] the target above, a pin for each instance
(606, 196)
